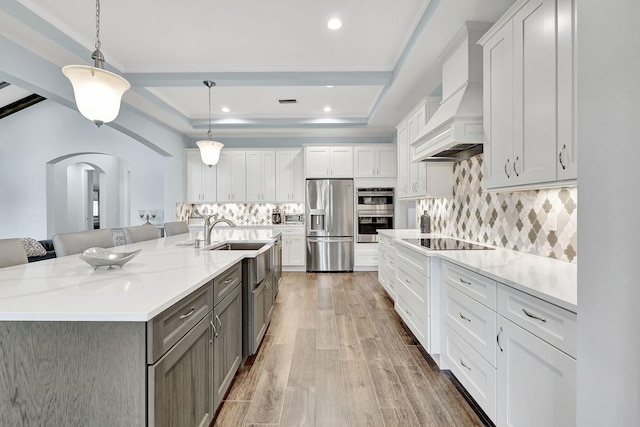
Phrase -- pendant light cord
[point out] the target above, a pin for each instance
(209, 136)
(98, 45)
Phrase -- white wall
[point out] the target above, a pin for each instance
(46, 131)
(609, 193)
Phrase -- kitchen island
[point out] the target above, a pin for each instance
(120, 347)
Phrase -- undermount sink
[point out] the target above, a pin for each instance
(238, 246)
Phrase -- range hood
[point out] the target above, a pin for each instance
(455, 131)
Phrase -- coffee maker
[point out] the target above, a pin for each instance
(276, 218)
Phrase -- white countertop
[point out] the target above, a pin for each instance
(68, 289)
(546, 278)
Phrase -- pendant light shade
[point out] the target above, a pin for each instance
(97, 92)
(209, 149)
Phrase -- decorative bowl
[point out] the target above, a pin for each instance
(99, 257)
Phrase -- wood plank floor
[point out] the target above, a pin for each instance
(337, 354)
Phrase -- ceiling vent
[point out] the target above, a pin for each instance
(288, 101)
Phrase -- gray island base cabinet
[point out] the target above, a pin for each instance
(170, 371)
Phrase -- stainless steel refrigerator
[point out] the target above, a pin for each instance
(329, 224)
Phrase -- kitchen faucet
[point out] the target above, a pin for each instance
(208, 228)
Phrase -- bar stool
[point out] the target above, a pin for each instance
(77, 242)
(12, 252)
(140, 233)
(173, 228)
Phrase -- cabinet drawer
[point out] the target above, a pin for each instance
(166, 329)
(476, 286)
(417, 283)
(476, 374)
(298, 231)
(474, 322)
(391, 262)
(415, 259)
(553, 324)
(412, 314)
(224, 283)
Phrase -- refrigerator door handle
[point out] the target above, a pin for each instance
(330, 226)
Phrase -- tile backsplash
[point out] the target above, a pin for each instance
(518, 220)
(240, 213)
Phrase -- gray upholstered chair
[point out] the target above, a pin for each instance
(12, 252)
(140, 233)
(173, 228)
(77, 242)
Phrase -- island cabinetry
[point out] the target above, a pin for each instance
(329, 162)
(227, 332)
(263, 297)
(387, 265)
(289, 176)
(201, 179)
(231, 177)
(261, 173)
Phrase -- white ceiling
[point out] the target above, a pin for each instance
(381, 62)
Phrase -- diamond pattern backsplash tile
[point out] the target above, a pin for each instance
(520, 221)
(240, 213)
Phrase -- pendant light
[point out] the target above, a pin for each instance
(209, 149)
(98, 92)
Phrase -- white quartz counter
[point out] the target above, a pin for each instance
(68, 289)
(549, 279)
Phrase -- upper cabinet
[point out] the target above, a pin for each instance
(289, 176)
(528, 96)
(231, 176)
(201, 179)
(261, 175)
(329, 162)
(374, 161)
(414, 180)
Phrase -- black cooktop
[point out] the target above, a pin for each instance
(444, 244)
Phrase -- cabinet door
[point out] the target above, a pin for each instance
(194, 176)
(268, 176)
(498, 108)
(238, 178)
(269, 296)
(286, 250)
(297, 250)
(254, 176)
(567, 155)
(181, 381)
(227, 343)
(209, 182)
(536, 381)
(317, 162)
(402, 141)
(297, 178)
(365, 162)
(341, 162)
(535, 110)
(259, 324)
(224, 178)
(386, 162)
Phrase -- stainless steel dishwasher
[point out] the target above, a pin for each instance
(276, 262)
(257, 279)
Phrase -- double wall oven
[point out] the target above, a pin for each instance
(375, 211)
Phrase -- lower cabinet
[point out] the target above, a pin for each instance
(293, 247)
(227, 343)
(259, 306)
(181, 381)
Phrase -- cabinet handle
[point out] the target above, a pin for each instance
(229, 280)
(562, 150)
(514, 166)
(498, 339)
(184, 316)
(506, 169)
(407, 281)
(464, 364)
(215, 332)
(219, 325)
(462, 316)
(464, 281)
(373, 172)
(533, 316)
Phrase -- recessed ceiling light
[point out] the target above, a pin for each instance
(327, 109)
(329, 86)
(225, 109)
(334, 24)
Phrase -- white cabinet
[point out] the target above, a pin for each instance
(293, 247)
(387, 264)
(231, 176)
(374, 161)
(289, 176)
(420, 179)
(201, 179)
(528, 96)
(329, 162)
(261, 175)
